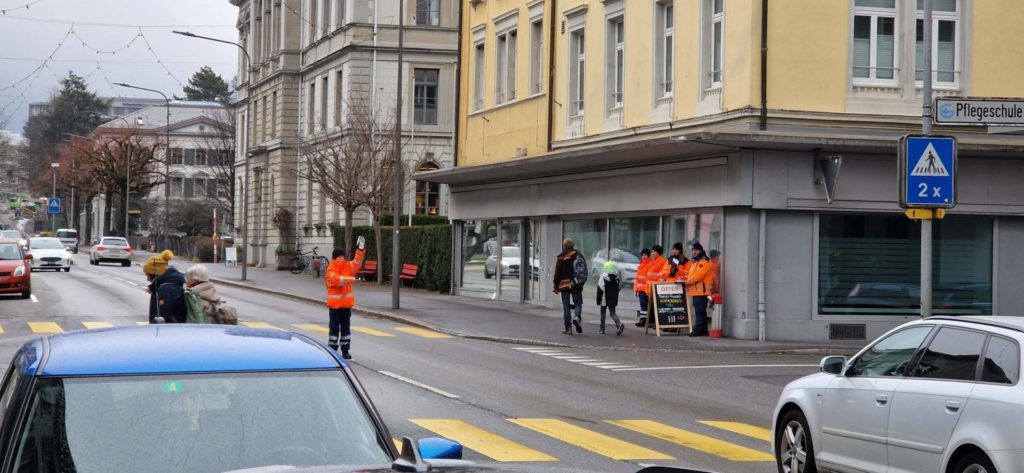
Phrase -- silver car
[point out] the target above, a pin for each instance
(48, 253)
(111, 249)
(936, 395)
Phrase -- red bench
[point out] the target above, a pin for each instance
(368, 271)
(408, 273)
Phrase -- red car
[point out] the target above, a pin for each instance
(15, 272)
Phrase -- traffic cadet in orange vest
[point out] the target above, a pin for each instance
(640, 286)
(699, 282)
(678, 264)
(657, 270)
(341, 274)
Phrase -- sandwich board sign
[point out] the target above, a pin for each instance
(927, 170)
(669, 308)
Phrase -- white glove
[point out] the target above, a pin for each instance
(360, 242)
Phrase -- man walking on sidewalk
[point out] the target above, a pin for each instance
(341, 274)
(569, 281)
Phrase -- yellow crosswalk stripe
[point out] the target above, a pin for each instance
(398, 444)
(421, 332)
(259, 325)
(589, 440)
(141, 323)
(486, 443)
(44, 327)
(752, 431)
(1, 329)
(92, 325)
(693, 440)
(312, 328)
(371, 331)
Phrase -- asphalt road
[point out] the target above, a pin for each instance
(596, 410)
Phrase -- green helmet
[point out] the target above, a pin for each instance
(609, 266)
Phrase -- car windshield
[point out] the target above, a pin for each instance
(10, 234)
(45, 244)
(67, 234)
(510, 252)
(197, 423)
(9, 251)
(114, 242)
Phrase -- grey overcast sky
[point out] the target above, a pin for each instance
(40, 44)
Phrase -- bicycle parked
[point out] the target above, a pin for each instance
(308, 260)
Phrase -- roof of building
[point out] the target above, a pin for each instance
(176, 348)
(155, 117)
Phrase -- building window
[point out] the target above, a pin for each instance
(478, 77)
(339, 96)
(273, 116)
(616, 61)
(664, 49)
(945, 43)
(428, 194)
(536, 56)
(425, 96)
(201, 157)
(870, 265)
(340, 13)
(577, 71)
(313, 17)
(256, 130)
(428, 12)
(505, 89)
(715, 24)
(326, 21)
(310, 108)
(176, 157)
(875, 56)
(323, 104)
(177, 184)
(190, 157)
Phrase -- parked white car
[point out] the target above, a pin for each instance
(935, 395)
(48, 253)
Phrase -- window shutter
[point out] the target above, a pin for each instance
(189, 188)
(211, 188)
(212, 158)
(190, 157)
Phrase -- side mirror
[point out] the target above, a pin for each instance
(833, 365)
(436, 448)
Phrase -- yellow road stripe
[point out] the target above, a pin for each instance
(44, 327)
(259, 325)
(693, 440)
(1, 329)
(312, 328)
(92, 325)
(371, 331)
(589, 440)
(420, 332)
(494, 446)
(398, 444)
(752, 431)
(141, 323)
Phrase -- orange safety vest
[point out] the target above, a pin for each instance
(716, 277)
(657, 272)
(700, 279)
(683, 270)
(340, 276)
(640, 281)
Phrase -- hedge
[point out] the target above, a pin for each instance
(427, 246)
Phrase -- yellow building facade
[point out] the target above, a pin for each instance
(629, 123)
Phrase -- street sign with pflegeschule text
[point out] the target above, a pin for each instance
(979, 111)
(927, 171)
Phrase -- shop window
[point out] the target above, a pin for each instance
(479, 244)
(870, 265)
(428, 194)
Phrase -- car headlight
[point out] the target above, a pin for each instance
(19, 271)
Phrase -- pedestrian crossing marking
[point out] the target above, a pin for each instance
(1, 329)
(312, 328)
(422, 332)
(141, 323)
(694, 440)
(494, 446)
(752, 431)
(92, 325)
(44, 327)
(571, 358)
(259, 325)
(589, 440)
(371, 331)
(398, 444)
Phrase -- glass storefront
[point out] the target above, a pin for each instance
(479, 258)
(870, 265)
(510, 259)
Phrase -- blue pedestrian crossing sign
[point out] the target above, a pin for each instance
(927, 166)
(53, 206)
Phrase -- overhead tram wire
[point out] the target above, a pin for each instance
(109, 25)
(40, 66)
(4, 10)
(150, 46)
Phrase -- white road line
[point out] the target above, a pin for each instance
(533, 348)
(615, 367)
(603, 363)
(133, 284)
(33, 298)
(566, 357)
(419, 384)
(711, 367)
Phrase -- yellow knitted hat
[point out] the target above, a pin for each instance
(156, 265)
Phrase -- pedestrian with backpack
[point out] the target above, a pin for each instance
(201, 298)
(166, 289)
(608, 290)
(570, 276)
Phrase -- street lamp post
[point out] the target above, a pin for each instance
(127, 170)
(396, 213)
(167, 161)
(245, 152)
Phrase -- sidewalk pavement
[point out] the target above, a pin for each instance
(499, 321)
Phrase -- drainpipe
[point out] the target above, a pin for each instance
(458, 98)
(760, 277)
(551, 72)
(763, 125)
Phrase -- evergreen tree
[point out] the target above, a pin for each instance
(208, 86)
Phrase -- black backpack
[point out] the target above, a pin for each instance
(579, 270)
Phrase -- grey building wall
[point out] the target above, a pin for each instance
(1009, 267)
(739, 272)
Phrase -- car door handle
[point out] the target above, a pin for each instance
(952, 406)
(882, 399)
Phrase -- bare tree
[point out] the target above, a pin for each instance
(378, 188)
(219, 143)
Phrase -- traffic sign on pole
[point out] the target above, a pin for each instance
(53, 206)
(927, 169)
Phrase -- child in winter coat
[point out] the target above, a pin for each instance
(608, 289)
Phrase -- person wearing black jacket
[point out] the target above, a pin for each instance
(166, 289)
(565, 284)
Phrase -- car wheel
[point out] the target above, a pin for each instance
(974, 462)
(126, 263)
(67, 269)
(794, 452)
(27, 294)
(487, 275)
